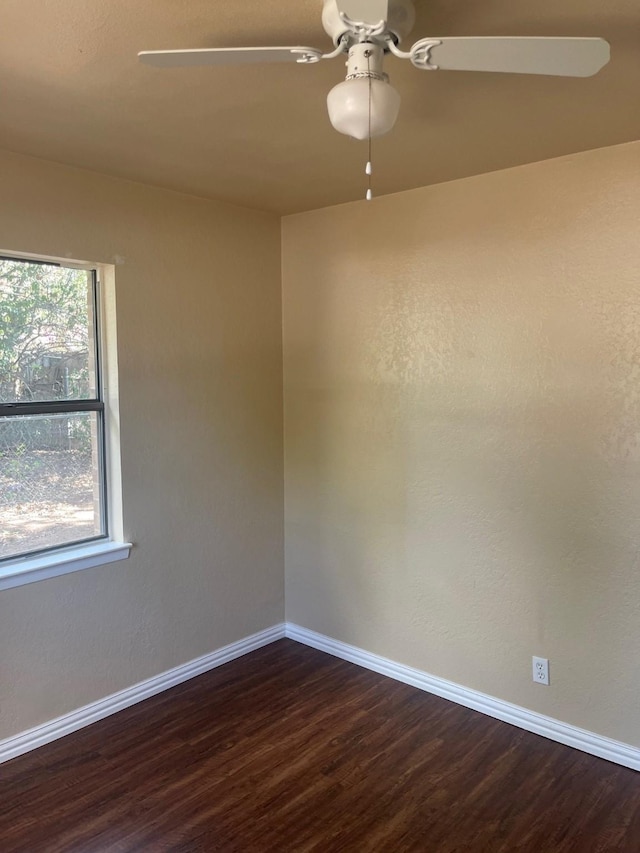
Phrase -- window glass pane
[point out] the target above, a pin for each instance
(47, 349)
(49, 481)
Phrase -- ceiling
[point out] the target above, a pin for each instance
(72, 90)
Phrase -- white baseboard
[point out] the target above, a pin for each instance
(611, 750)
(47, 732)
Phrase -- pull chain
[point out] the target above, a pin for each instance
(369, 168)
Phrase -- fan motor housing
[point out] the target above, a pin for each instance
(400, 21)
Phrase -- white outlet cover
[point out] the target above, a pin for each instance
(540, 667)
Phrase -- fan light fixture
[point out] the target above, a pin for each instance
(365, 105)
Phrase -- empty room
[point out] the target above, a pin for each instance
(319, 426)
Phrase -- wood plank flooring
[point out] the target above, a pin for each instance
(289, 749)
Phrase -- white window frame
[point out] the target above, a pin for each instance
(64, 559)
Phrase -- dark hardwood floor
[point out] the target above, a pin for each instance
(289, 749)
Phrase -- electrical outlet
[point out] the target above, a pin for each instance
(540, 670)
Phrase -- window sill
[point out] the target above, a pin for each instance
(25, 570)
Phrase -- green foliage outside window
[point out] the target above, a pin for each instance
(44, 327)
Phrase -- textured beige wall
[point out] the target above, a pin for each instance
(462, 410)
(199, 334)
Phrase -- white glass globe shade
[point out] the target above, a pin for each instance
(348, 105)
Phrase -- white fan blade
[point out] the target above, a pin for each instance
(364, 11)
(562, 57)
(228, 56)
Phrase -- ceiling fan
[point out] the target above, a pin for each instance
(365, 104)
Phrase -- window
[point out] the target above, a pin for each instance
(53, 447)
